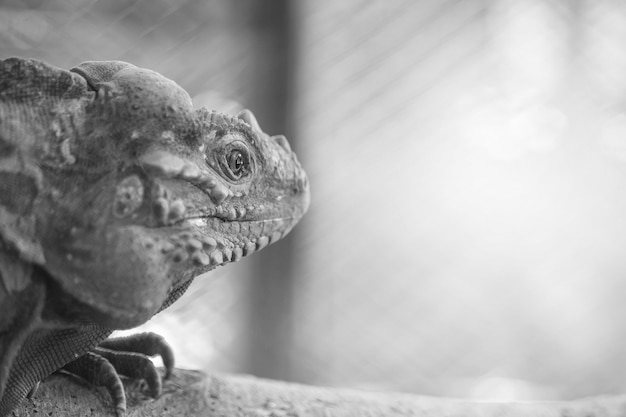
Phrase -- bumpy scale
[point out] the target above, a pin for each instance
(114, 194)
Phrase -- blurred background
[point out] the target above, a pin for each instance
(468, 166)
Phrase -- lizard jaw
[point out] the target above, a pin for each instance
(158, 258)
(208, 242)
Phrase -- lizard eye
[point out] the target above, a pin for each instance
(235, 164)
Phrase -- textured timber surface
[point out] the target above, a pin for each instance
(192, 393)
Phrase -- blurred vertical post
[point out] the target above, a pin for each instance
(270, 331)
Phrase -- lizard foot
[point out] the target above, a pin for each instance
(124, 356)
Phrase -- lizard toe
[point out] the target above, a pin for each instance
(134, 366)
(97, 370)
(148, 343)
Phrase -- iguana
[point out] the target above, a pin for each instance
(114, 194)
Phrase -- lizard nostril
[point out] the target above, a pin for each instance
(282, 142)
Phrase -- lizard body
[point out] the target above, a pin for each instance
(114, 194)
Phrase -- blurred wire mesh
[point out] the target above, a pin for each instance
(467, 161)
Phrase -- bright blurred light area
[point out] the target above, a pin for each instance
(480, 251)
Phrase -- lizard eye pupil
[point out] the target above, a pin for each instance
(236, 165)
(235, 162)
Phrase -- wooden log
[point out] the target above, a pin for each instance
(193, 393)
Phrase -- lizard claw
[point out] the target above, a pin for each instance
(142, 345)
(33, 390)
(127, 356)
(100, 372)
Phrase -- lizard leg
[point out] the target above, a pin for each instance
(124, 356)
(20, 314)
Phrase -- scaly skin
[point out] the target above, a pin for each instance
(114, 194)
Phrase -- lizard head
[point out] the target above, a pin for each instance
(158, 193)
(230, 193)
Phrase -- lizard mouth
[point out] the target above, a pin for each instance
(211, 241)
